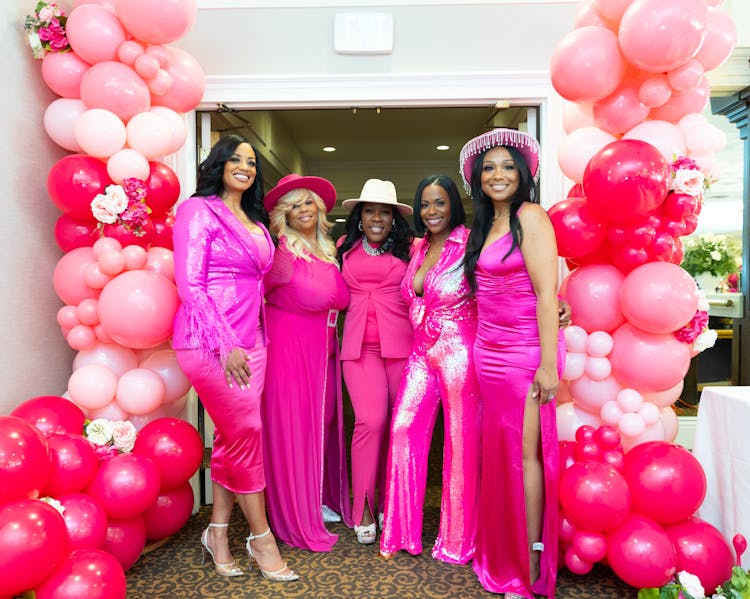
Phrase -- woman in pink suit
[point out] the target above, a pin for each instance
(511, 262)
(377, 336)
(440, 370)
(304, 443)
(222, 249)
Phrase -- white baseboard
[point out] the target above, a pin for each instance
(686, 432)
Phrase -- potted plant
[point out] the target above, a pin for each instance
(709, 259)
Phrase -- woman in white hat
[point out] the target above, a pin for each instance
(377, 336)
(511, 263)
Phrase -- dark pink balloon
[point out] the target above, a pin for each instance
(594, 496)
(74, 464)
(163, 231)
(73, 181)
(125, 540)
(90, 573)
(128, 237)
(125, 485)
(85, 520)
(71, 233)
(24, 460)
(701, 550)
(640, 552)
(174, 446)
(163, 188)
(578, 230)
(51, 414)
(169, 513)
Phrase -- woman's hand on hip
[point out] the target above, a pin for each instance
(236, 368)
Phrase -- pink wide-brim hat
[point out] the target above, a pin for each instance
(323, 187)
(523, 142)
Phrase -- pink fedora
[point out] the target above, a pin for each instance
(323, 187)
(523, 142)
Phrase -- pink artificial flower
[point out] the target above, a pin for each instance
(695, 327)
(683, 162)
(106, 452)
(54, 34)
(135, 216)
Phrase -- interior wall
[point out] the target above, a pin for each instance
(36, 360)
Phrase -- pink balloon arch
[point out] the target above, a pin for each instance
(640, 154)
(103, 457)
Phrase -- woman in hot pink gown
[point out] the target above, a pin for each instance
(511, 262)
(303, 441)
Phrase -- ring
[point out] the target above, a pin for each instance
(552, 396)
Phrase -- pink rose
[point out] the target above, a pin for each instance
(105, 452)
(123, 436)
(689, 182)
(683, 162)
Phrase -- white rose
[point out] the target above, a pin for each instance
(705, 340)
(688, 181)
(46, 14)
(118, 197)
(99, 431)
(102, 211)
(123, 436)
(692, 584)
(715, 255)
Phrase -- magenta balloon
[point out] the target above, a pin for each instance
(578, 230)
(73, 181)
(126, 485)
(575, 563)
(593, 294)
(115, 87)
(625, 180)
(586, 64)
(666, 471)
(51, 414)
(126, 540)
(127, 237)
(719, 39)
(594, 496)
(640, 552)
(85, 520)
(94, 33)
(62, 72)
(647, 361)
(590, 546)
(174, 446)
(74, 464)
(163, 187)
(169, 513)
(24, 460)
(188, 82)
(71, 233)
(34, 541)
(156, 22)
(90, 573)
(701, 550)
(660, 35)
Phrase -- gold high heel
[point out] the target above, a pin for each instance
(230, 569)
(276, 575)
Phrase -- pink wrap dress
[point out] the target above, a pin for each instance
(303, 442)
(507, 355)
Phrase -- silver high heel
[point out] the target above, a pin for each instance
(276, 575)
(366, 535)
(230, 569)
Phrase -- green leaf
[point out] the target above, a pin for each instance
(648, 594)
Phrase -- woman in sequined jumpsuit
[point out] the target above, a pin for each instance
(440, 370)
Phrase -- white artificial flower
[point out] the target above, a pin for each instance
(99, 431)
(101, 208)
(123, 435)
(54, 503)
(702, 301)
(118, 197)
(689, 182)
(692, 584)
(46, 14)
(37, 49)
(715, 255)
(705, 340)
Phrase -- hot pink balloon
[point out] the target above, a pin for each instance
(659, 36)
(24, 460)
(641, 553)
(73, 181)
(648, 361)
(719, 39)
(593, 294)
(85, 520)
(594, 496)
(126, 485)
(92, 386)
(188, 82)
(702, 551)
(71, 233)
(174, 446)
(163, 187)
(74, 463)
(586, 64)
(62, 72)
(60, 120)
(94, 33)
(575, 563)
(51, 415)
(578, 229)
(125, 540)
(590, 546)
(117, 358)
(90, 573)
(169, 513)
(140, 391)
(156, 22)
(115, 87)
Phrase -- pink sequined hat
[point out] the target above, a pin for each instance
(523, 142)
(323, 187)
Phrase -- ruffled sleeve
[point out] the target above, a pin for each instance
(206, 326)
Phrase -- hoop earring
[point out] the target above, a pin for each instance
(359, 226)
(394, 226)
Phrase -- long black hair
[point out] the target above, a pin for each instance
(484, 211)
(458, 214)
(211, 177)
(401, 234)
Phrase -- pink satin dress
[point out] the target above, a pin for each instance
(440, 370)
(506, 356)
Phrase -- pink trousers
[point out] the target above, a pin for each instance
(437, 373)
(372, 382)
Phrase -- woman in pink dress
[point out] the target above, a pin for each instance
(304, 445)
(440, 370)
(377, 337)
(511, 263)
(222, 249)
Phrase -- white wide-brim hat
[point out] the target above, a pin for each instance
(377, 191)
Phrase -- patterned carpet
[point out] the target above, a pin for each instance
(350, 570)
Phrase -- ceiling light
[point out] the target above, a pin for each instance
(340, 220)
(443, 148)
(329, 149)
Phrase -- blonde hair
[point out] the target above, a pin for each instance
(298, 246)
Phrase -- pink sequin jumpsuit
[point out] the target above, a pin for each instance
(439, 370)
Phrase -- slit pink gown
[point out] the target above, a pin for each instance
(506, 356)
(303, 427)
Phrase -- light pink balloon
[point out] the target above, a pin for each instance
(588, 14)
(664, 136)
(719, 39)
(164, 363)
(593, 294)
(175, 124)
(106, 244)
(631, 424)
(586, 64)
(663, 399)
(652, 432)
(111, 263)
(575, 338)
(621, 110)
(599, 344)
(187, 85)
(102, 335)
(597, 369)
(60, 120)
(160, 84)
(611, 413)
(655, 91)
(176, 409)
(161, 260)
(81, 336)
(591, 395)
(704, 139)
(108, 4)
(127, 163)
(682, 103)
(685, 76)
(135, 257)
(576, 115)
(660, 35)
(111, 412)
(117, 358)
(129, 51)
(141, 420)
(62, 72)
(629, 400)
(67, 278)
(160, 53)
(570, 417)
(95, 278)
(100, 133)
(140, 391)
(578, 148)
(87, 312)
(649, 412)
(146, 66)
(670, 422)
(92, 386)
(67, 317)
(156, 22)
(647, 361)
(612, 10)
(149, 134)
(94, 33)
(115, 87)
(659, 297)
(574, 366)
